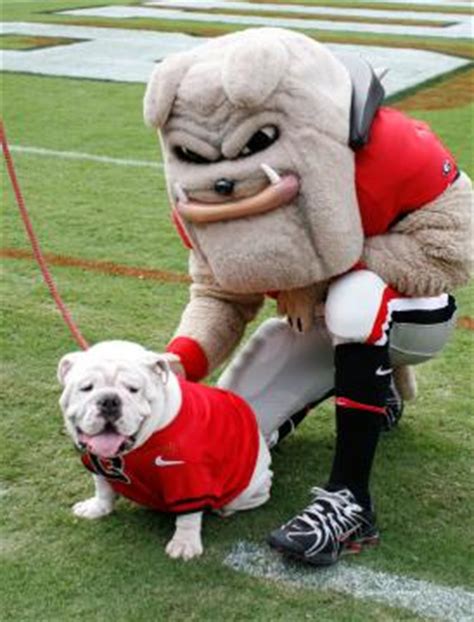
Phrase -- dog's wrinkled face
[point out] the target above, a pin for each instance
(113, 394)
(254, 128)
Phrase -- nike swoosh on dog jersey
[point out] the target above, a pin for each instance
(380, 371)
(161, 462)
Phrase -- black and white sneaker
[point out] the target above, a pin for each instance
(393, 408)
(334, 524)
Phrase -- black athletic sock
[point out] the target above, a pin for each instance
(362, 381)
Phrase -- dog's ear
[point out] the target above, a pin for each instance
(252, 72)
(162, 368)
(159, 365)
(162, 87)
(65, 366)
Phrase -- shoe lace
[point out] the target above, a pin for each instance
(341, 502)
(330, 516)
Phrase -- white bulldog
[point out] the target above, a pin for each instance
(161, 441)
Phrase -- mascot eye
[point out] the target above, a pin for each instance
(133, 389)
(86, 388)
(186, 155)
(262, 139)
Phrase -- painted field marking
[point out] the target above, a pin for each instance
(465, 321)
(130, 55)
(108, 268)
(441, 3)
(460, 24)
(78, 155)
(286, 10)
(420, 597)
(116, 54)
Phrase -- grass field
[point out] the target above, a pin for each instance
(55, 567)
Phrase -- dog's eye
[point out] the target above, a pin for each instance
(186, 155)
(133, 389)
(86, 388)
(262, 139)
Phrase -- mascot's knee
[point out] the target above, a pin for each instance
(353, 304)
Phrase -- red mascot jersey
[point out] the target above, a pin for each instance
(403, 166)
(202, 460)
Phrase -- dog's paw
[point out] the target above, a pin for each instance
(92, 508)
(180, 547)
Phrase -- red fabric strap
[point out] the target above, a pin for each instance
(192, 356)
(347, 403)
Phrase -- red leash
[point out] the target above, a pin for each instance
(38, 253)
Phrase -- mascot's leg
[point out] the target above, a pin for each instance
(280, 373)
(360, 311)
(283, 374)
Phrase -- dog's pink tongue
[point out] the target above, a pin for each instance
(105, 445)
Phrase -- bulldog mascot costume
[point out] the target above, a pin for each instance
(287, 177)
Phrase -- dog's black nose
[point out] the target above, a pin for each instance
(224, 186)
(109, 406)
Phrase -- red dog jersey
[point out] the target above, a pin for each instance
(202, 460)
(403, 166)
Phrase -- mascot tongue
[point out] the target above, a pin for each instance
(105, 445)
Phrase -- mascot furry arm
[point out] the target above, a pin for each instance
(270, 197)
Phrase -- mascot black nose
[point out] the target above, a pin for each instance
(110, 406)
(224, 186)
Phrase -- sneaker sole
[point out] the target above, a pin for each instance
(357, 546)
(350, 548)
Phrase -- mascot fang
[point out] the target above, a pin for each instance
(287, 177)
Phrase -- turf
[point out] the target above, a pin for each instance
(448, 92)
(57, 568)
(18, 42)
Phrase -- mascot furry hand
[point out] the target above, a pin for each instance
(286, 176)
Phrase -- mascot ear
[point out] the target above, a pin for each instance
(162, 87)
(367, 96)
(252, 72)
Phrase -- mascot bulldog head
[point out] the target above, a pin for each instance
(255, 134)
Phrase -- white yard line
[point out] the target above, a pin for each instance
(77, 155)
(420, 597)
